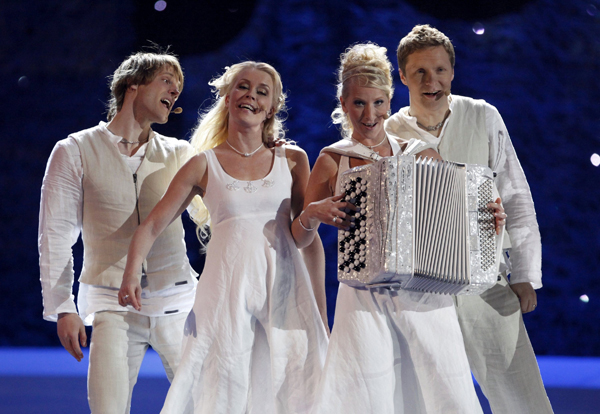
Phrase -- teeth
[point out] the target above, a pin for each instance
(166, 102)
(247, 107)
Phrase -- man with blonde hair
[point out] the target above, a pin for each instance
(466, 130)
(102, 182)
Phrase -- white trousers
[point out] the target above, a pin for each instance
(395, 352)
(500, 353)
(119, 343)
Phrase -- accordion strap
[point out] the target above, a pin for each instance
(355, 150)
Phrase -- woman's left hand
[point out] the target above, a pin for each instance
(499, 214)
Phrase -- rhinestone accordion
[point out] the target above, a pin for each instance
(422, 225)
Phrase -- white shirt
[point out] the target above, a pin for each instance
(60, 226)
(521, 225)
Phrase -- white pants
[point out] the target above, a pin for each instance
(119, 343)
(395, 352)
(500, 353)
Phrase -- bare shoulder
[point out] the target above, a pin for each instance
(296, 157)
(328, 161)
(199, 160)
(196, 165)
(294, 152)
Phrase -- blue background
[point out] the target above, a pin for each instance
(537, 62)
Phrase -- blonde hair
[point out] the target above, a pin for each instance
(138, 69)
(367, 65)
(212, 127)
(422, 37)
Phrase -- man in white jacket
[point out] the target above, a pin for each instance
(466, 130)
(102, 182)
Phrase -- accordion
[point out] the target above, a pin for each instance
(421, 225)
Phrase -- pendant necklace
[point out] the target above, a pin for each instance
(244, 154)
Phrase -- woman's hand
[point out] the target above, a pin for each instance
(499, 214)
(330, 210)
(131, 292)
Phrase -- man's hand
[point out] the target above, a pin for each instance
(527, 296)
(71, 333)
(429, 153)
(131, 292)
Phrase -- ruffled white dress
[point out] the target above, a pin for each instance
(254, 341)
(395, 352)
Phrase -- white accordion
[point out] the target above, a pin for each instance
(422, 225)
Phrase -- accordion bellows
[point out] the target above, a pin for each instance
(422, 225)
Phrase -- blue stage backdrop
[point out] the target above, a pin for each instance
(538, 62)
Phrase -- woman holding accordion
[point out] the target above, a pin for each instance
(391, 351)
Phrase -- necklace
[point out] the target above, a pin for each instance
(244, 154)
(372, 146)
(124, 141)
(436, 126)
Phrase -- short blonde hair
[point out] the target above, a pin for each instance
(422, 37)
(368, 65)
(138, 69)
(212, 128)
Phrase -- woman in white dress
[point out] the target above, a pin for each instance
(254, 341)
(390, 351)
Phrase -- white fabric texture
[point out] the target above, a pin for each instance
(498, 347)
(500, 353)
(119, 342)
(59, 228)
(395, 352)
(254, 341)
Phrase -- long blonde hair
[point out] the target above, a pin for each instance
(212, 128)
(367, 64)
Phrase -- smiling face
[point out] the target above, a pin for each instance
(154, 101)
(250, 101)
(428, 76)
(366, 108)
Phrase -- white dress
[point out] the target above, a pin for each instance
(254, 341)
(395, 352)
